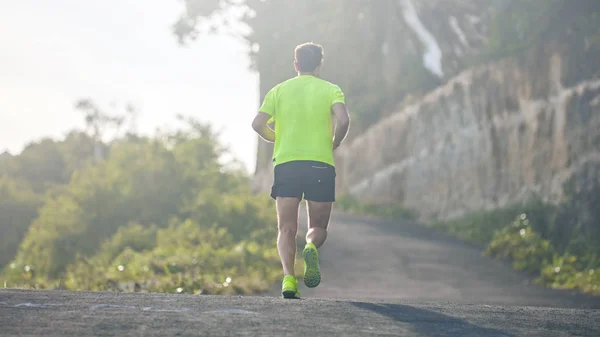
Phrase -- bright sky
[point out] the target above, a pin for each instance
(55, 52)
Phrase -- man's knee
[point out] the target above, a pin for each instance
(287, 228)
(317, 236)
(317, 232)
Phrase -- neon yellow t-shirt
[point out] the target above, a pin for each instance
(301, 110)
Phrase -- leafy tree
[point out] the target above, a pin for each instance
(185, 257)
(42, 167)
(524, 24)
(48, 163)
(18, 207)
(98, 122)
(138, 182)
(149, 182)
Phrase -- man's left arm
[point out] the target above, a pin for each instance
(266, 113)
(260, 125)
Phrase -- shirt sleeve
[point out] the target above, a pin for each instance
(338, 96)
(268, 105)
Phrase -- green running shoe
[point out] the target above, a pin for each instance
(289, 287)
(312, 272)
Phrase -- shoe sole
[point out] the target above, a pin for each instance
(312, 272)
(289, 294)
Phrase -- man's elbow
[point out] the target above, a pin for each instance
(344, 122)
(257, 125)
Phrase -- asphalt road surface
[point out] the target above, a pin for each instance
(370, 259)
(379, 279)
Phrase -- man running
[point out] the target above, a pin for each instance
(301, 109)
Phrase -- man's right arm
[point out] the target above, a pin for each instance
(343, 123)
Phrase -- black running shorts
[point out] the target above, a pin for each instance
(311, 180)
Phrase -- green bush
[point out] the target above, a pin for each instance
(533, 254)
(520, 244)
(42, 168)
(479, 227)
(18, 207)
(155, 214)
(186, 258)
(530, 252)
(568, 272)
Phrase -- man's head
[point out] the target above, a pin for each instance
(308, 58)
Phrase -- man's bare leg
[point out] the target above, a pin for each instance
(287, 224)
(318, 220)
(319, 214)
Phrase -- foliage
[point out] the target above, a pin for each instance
(43, 167)
(524, 24)
(138, 182)
(153, 214)
(184, 257)
(572, 272)
(18, 207)
(553, 243)
(576, 227)
(479, 227)
(46, 164)
(519, 243)
(530, 253)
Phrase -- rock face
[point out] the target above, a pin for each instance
(488, 136)
(492, 136)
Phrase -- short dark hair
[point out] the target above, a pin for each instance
(308, 56)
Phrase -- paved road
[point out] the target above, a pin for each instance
(373, 259)
(56, 313)
(379, 279)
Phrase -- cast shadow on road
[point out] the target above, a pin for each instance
(430, 323)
